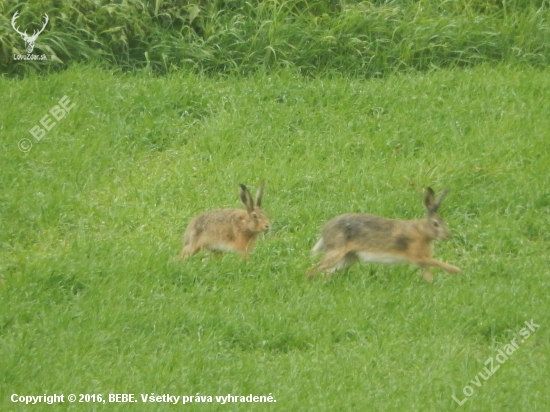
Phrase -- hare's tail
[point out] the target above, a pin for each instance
(319, 246)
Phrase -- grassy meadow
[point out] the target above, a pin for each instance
(91, 217)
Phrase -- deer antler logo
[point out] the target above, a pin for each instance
(29, 40)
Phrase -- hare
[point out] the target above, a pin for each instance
(227, 229)
(353, 236)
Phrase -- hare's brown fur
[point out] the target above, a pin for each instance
(353, 236)
(227, 229)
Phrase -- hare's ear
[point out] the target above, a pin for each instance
(441, 198)
(246, 198)
(260, 194)
(429, 200)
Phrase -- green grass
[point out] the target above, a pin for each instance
(92, 215)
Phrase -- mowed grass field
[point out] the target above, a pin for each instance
(92, 302)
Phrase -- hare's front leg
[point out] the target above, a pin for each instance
(428, 277)
(445, 266)
(425, 262)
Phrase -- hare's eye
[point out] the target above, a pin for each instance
(435, 223)
(254, 215)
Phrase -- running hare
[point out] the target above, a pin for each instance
(227, 229)
(353, 236)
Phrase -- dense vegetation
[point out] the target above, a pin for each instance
(366, 38)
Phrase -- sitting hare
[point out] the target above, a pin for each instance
(227, 229)
(353, 236)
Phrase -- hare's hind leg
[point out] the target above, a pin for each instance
(188, 251)
(349, 259)
(190, 245)
(332, 261)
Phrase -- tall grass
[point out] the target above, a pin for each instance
(365, 38)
